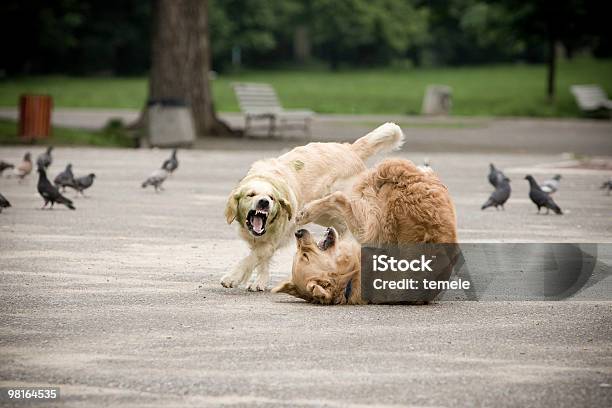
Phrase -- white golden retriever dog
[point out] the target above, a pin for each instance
(265, 202)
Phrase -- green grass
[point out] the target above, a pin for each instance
(501, 90)
(63, 136)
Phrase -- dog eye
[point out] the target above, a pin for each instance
(271, 198)
(251, 195)
(305, 256)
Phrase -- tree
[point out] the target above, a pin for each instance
(567, 22)
(263, 30)
(76, 36)
(469, 32)
(180, 61)
(364, 32)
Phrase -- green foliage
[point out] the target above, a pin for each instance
(112, 36)
(116, 130)
(475, 32)
(259, 28)
(489, 26)
(366, 32)
(75, 36)
(64, 136)
(500, 90)
(574, 23)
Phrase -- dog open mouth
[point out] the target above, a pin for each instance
(328, 239)
(256, 222)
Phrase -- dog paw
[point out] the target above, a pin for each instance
(303, 217)
(228, 282)
(257, 287)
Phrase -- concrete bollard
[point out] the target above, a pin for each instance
(170, 123)
(438, 100)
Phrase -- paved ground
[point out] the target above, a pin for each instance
(428, 134)
(118, 302)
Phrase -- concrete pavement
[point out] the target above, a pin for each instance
(428, 134)
(118, 302)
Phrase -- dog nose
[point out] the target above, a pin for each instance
(300, 233)
(263, 203)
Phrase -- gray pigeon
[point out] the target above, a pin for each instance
(500, 195)
(65, 178)
(24, 168)
(551, 186)
(172, 163)
(83, 183)
(426, 166)
(540, 198)
(44, 160)
(607, 185)
(49, 192)
(156, 179)
(4, 166)
(495, 175)
(4, 203)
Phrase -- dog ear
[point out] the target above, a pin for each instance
(286, 287)
(231, 208)
(285, 205)
(319, 292)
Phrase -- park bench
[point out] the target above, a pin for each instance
(591, 98)
(258, 101)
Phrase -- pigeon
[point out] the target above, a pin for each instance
(49, 192)
(44, 160)
(551, 186)
(607, 185)
(500, 195)
(24, 168)
(426, 166)
(156, 179)
(495, 176)
(4, 165)
(171, 164)
(83, 183)
(65, 178)
(4, 203)
(540, 198)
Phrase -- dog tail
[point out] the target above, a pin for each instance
(386, 137)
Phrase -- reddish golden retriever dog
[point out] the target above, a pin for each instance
(394, 203)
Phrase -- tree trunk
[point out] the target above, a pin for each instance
(301, 44)
(552, 65)
(181, 61)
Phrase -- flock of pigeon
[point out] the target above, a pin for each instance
(540, 194)
(50, 192)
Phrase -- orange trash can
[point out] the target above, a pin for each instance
(35, 116)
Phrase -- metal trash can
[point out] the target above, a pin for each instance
(170, 123)
(35, 116)
(438, 100)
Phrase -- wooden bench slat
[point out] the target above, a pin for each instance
(258, 97)
(590, 97)
(268, 101)
(254, 91)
